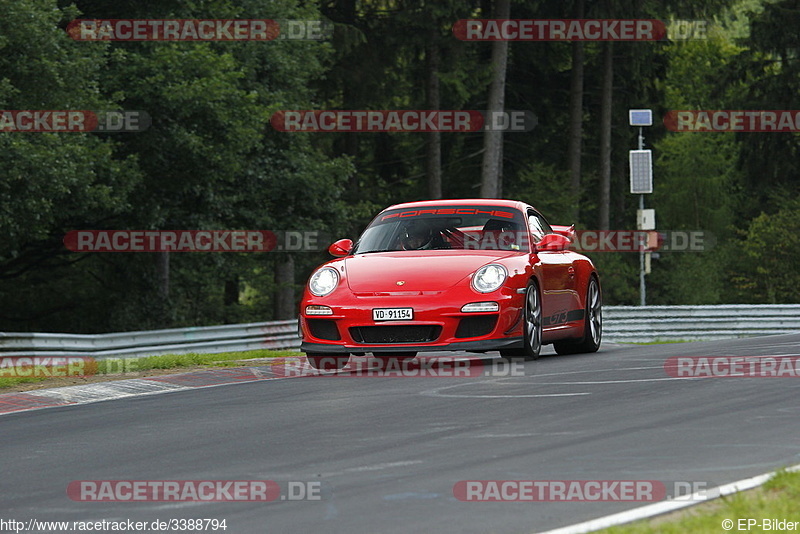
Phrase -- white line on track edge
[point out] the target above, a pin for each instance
(653, 510)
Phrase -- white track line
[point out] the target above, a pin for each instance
(652, 510)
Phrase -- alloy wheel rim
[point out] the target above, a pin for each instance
(532, 318)
(595, 313)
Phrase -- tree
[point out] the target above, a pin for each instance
(772, 245)
(51, 181)
(433, 156)
(769, 68)
(491, 177)
(606, 108)
(576, 115)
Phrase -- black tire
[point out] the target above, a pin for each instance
(327, 362)
(532, 326)
(593, 324)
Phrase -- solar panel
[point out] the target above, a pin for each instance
(640, 117)
(641, 163)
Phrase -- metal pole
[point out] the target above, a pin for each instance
(642, 289)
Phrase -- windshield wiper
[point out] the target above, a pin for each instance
(376, 250)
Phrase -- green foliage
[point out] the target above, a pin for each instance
(211, 160)
(688, 278)
(772, 247)
(770, 70)
(619, 277)
(49, 179)
(696, 69)
(717, 182)
(542, 186)
(697, 182)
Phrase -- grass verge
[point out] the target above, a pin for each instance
(85, 370)
(775, 500)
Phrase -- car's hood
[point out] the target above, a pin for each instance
(417, 270)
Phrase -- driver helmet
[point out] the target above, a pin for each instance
(417, 236)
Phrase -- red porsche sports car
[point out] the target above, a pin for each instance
(456, 275)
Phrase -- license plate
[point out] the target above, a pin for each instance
(392, 314)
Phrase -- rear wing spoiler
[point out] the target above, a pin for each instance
(566, 231)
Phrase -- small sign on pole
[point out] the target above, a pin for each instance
(646, 219)
(640, 117)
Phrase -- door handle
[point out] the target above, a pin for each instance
(571, 272)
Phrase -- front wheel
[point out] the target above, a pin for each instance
(593, 325)
(532, 327)
(327, 362)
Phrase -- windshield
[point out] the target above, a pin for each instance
(442, 228)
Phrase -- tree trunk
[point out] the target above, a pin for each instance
(231, 296)
(491, 185)
(162, 272)
(349, 10)
(606, 102)
(162, 312)
(433, 157)
(284, 292)
(576, 118)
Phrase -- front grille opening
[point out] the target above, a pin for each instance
(395, 333)
(477, 326)
(324, 329)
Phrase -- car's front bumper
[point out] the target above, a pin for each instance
(439, 324)
(468, 346)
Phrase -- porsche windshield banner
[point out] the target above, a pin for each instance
(477, 211)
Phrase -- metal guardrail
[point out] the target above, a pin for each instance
(637, 324)
(206, 339)
(620, 324)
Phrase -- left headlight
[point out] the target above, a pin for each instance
(489, 277)
(323, 282)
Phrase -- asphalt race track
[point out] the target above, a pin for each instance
(387, 452)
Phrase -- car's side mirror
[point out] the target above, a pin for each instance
(566, 231)
(341, 248)
(553, 242)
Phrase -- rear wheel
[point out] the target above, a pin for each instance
(593, 324)
(532, 326)
(327, 362)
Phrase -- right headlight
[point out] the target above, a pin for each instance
(323, 282)
(489, 277)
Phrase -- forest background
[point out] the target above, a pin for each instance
(211, 159)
